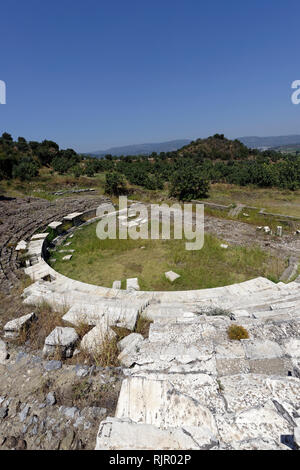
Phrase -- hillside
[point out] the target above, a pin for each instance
(142, 149)
(215, 147)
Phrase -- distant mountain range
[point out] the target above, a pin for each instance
(143, 149)
(270, 142)
(172, 145)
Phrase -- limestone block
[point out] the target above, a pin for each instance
(61, 338)
(13, 328)
(124, 434)
(171, 276)
(132, 283)
(291, 347)
(158, 403)
(259, 421)
(129, 341)
(261, 349)
(39, 236)
(67, 257)
(56, 226)
(75, 218)
(21, 246)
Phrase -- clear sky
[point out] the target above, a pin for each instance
(98, 73)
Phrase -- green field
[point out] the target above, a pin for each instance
(101, 262)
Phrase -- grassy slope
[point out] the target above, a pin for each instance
(101, 262)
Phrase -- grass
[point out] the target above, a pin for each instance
(278, 201)
(44, 185)
(100, 262)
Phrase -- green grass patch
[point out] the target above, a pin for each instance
(100, 262)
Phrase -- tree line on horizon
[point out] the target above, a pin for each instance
(187, 172)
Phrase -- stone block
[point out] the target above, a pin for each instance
(171, 276)
(62, 339)
(13, 328)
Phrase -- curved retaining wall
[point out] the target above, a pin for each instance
(41, 270)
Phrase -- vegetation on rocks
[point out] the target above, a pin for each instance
(237, 332)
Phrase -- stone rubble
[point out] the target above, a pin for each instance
(187, 386)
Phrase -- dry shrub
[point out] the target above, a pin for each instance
(82, 329)
(107, 354)
(39, 329)
(237, 332)
(121, 332)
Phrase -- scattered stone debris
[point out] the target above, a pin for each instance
(223, 245)
(67, 257)
(171, 276)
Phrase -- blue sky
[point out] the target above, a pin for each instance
(94, 74)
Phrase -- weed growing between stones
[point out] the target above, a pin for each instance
(237, 332)
(107, 353)
(142, 326)
(47, 320)
(214, 312)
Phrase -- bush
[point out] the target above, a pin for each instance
(188, 183)
(237, 332)
(25, 170)
(115, 184)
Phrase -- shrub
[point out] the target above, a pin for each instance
(237, 332)
(115, 184)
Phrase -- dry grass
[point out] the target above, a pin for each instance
(107, 354)
(46, 320)
(143, 326)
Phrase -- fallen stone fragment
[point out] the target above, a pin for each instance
(132, 284)
(52, 365)
(128, 347)
(3, 352)
(67, 258)
(223, 245)
(3, 412)
(61, 340)
(129, 341)
(50, 399)
(21, 246)
(171, 276)
(13, 328)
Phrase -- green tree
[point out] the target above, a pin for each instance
(115, 184)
